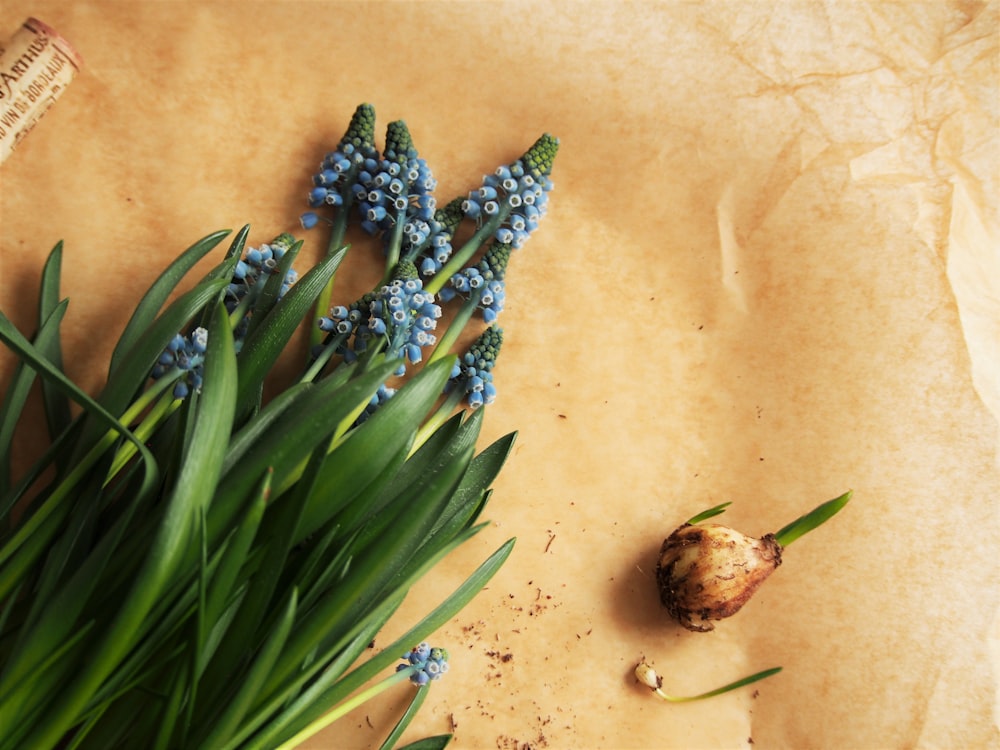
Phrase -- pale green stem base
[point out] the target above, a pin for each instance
(346, 707)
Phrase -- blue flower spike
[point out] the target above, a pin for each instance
(472, 374)
(251, 274)
(395, 194)
(187, 354)
(333, 183)
(430, 243)
(518, 192)
(401, 312)
(484, 281)
(428, 663)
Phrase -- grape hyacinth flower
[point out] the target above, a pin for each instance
(395, 194)
(507, 208)
(401, 313)
(483, 282)
(333, 184)
(383, 394)
(251, 274)
(254, 268)
(428, 662)
(432, 245)
(187, 354)
(472, 374)
(514, 197)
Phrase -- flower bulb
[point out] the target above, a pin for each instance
(708, 572)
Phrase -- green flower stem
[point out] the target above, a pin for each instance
(465, 253)
(392, 250)
(164, 407)
(346, 707)
(438, 418)
(816, 517)
(334, 245)
(455, 328)
(326, 353)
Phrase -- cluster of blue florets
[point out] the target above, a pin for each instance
(400, 311)
(251, 274)
(515, 195)
(333, 184)
(187, 354)
(484, 281)
(393, 191)
(432, 242)
(383, 394)
(472, 373)
(396, 190)
(256, 265)
(429, 663)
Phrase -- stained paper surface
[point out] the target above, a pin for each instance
(770, 272)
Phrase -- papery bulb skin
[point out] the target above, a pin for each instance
(708, 572)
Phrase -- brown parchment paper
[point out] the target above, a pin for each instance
(769, 273)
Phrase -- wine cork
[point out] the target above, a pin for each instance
(36, 66)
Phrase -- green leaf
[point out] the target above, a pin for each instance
(710, 513)
(419, 696)
(159, 292)
(437, 742)
(57, 412)
(17, 393)
(274, 717)
(389, 655)
(263, 347)
(290, 440)
(234, 557)
(816, 517)
(367, 454)
(30, 539)
(368, 576)
(228, 722)
(254, 613)
(192, 491)
(261, 423)
(724, 689)
(62, 445)
(269, 295)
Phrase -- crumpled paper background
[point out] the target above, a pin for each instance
(769, 273)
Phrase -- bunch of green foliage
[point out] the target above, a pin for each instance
(188, 565)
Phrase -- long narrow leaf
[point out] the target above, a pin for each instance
(20, 386)
(293, 436)
(367, 577)
(159, 292)
(270, 720)
(13, 338)
(262, 349)
(371, 449)
(57, 413)
(434, 620)
(192, 492)
(271, 292)
(228, 722)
